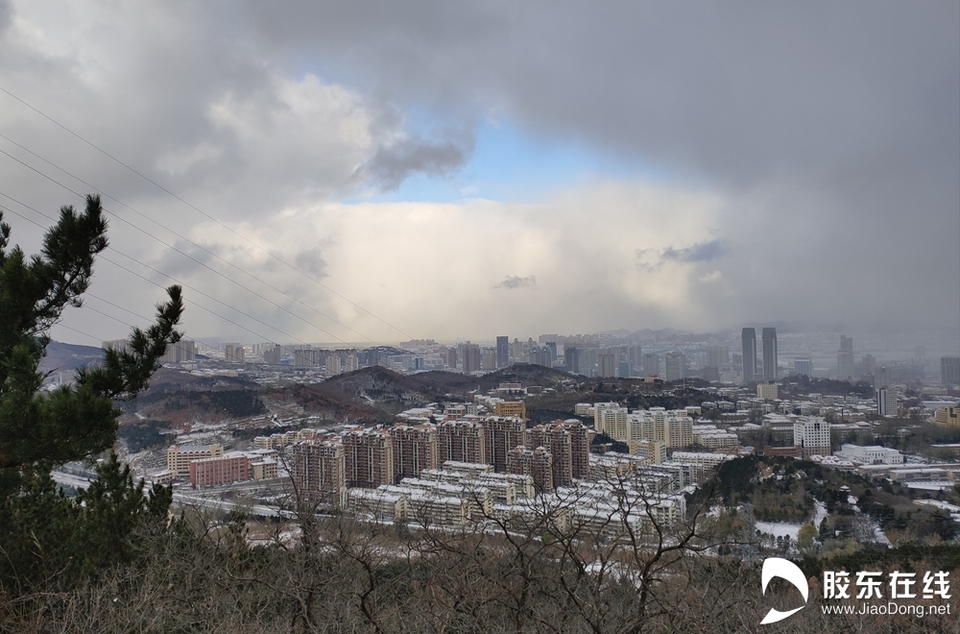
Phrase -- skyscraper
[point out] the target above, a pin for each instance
(635, 359)
(470, 357)
(845, 358)
(503, 352)
(607, 364)
(769, 354)
(651, 364)
(749, 337)
(675, 366)
(717, 356)
(950, 371)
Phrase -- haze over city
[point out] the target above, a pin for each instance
(459, 171)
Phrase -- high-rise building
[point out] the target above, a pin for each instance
(368, 457)
(673, 428)
(846, 343)
(635, 359)
(567, 442)
(333, 365)
(610, 419)
(503, 433)
(183, 350)
(803, 366)
(540, 355)
(651, 364)
(869, 364)
(516, 349)
(607, 363)
(233, 353)
(488, 359)
(749, 340)
(950, 371)
(415, 448)
(884, 376)
(812, 435)
(571, 357)
(845, 358)
(462, 441)
(717, 356)
(503, 351)
(272, 355)
(537, 463)
(318, 468)
(886, 401)
(770, 357)
(470, 357)
(675, 363)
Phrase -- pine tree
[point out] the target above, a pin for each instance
(39, 527)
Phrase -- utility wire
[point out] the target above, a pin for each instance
(182, 237)
(198, 210)
(204, 308)
(183, 253)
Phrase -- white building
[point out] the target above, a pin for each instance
(812, 434)
(871, 454)
(886, 401)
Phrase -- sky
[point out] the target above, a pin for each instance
(373, 171)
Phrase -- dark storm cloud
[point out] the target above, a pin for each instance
(827, 132)
(392, 164)
(741, 91)
(514, 281)
(835, 121)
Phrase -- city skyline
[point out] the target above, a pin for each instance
(666, 169)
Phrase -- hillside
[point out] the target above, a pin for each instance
(376, 394)
(67, 357)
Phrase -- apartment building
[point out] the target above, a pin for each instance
(415, 448)
(179, 457)
(503, 433)
(368, 457)
(318, 468)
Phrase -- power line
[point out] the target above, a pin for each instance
(179, 235)
(198, 210)
(200, 306)
(184, 254)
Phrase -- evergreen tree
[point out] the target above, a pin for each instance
(39, 527)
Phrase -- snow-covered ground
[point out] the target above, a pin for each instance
(782, 529)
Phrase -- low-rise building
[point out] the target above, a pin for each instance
(704, 459)
(870, 454)
(229, 468)
(768, 391)
(179, 457)
(947, 416)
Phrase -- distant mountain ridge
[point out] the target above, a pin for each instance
(377, 394)
(67, 357)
